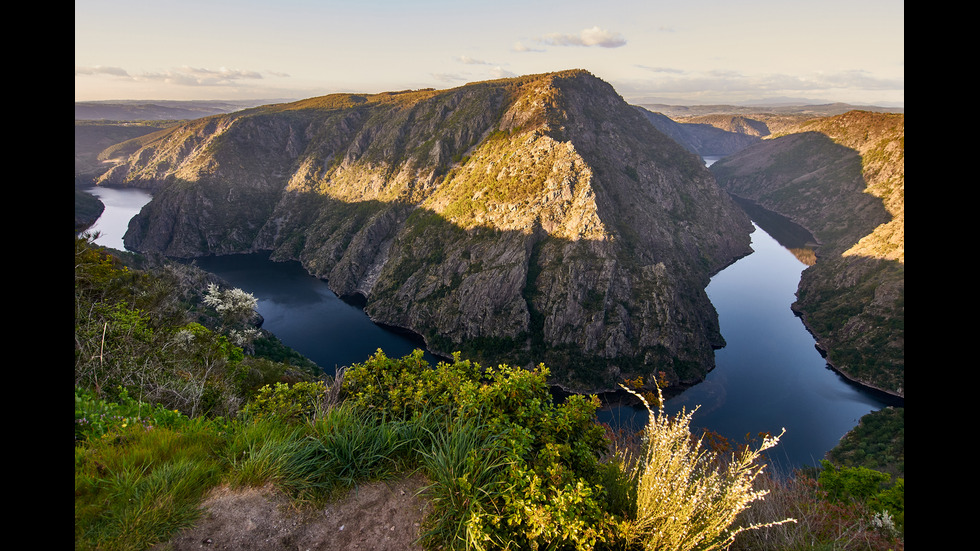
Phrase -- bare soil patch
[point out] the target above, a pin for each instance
(384, 516)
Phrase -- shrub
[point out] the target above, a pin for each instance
(687, 496)
(296, 402)
(534, 480)
(95, 417)
(866, 487)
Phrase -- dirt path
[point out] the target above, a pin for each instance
(383, 516)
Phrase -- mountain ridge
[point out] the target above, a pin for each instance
(526, 220)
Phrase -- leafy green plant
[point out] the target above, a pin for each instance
(866, 486)
(95, 417)
(296, 402)
(545, 490)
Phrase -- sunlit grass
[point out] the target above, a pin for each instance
(465, 465)
(134, 487)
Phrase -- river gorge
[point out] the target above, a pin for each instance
(768, 377)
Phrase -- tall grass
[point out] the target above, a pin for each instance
(135, 487)
(465, 463)
(260, 452)
(342, 446)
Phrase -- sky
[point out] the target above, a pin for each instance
(652, 51)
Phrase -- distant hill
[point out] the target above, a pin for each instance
(808, 110)
(158, 110)
(94, 140)
(717, 135)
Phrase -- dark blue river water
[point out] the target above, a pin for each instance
(770, 376)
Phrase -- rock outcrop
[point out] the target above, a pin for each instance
(526, 220)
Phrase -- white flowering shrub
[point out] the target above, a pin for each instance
(883, 521)
(687, 496)
(234, 305)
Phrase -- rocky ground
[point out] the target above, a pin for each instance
(382, 516)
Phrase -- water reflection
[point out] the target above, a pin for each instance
(121, 205)
(795, 238)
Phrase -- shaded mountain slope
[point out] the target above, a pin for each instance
(843, 178)
(536, 219)
(720, 135)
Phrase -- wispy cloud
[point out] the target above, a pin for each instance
(471, 61)
(182, 76)
(450, 78)
(587, 37)
(667, 70)
(736, 85)
(521, 47)
(101, 70)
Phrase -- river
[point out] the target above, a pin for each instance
(768, 377)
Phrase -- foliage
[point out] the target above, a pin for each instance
(865, 486)
(95, 417)
(509, 466)
(878, 442)
(545, 455)
(687, 496)
(138, 483)
(234, 305)
(820, 524)
(299, 401)
(465, 462)
(135, 334)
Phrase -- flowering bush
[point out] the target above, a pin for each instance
(687, 496)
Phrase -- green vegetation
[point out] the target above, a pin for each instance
(878, 442)
(171, 401)
(88, 208)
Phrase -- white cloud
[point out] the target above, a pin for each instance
(500, 72)
(100, 70)
(182, 76)
(588, 37)
(520, 47)
(470, 61)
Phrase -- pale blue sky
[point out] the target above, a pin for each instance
(695, 51)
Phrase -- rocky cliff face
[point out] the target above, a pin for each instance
(843, 178)
(537, 219)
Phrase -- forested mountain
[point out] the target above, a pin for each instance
(526, 220)
(843, 178)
